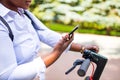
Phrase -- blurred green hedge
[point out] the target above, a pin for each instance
(98, 16)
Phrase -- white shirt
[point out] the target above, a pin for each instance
(18, 57)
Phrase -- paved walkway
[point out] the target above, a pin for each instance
(109, 47)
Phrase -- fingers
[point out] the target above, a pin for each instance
(96, 48)
(93, 48)
(67, 37)
(63, 43)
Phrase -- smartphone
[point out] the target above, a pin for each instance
(70, 34)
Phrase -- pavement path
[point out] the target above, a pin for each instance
(109, 47)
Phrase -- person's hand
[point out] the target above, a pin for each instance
(63, 43)
(57, 50)
(93, 48)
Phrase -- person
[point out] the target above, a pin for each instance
(18, 58)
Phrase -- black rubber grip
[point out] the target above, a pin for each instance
(84, 67)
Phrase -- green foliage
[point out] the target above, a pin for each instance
(100, 15)
(60, 27)
(37, 2)
(70, 2)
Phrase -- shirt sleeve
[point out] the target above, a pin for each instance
(50, 38)
(29, 70)
(46, 35)
(9, 69)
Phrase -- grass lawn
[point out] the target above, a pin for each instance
(67, 28)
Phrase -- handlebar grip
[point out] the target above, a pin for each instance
(83, 68)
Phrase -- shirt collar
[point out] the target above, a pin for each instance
(4, 11)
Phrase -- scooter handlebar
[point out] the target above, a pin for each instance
(84, 67)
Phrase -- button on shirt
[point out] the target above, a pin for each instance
(18, 59)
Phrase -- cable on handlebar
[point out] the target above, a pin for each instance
(93, 67)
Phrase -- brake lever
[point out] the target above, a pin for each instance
(77, 62)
